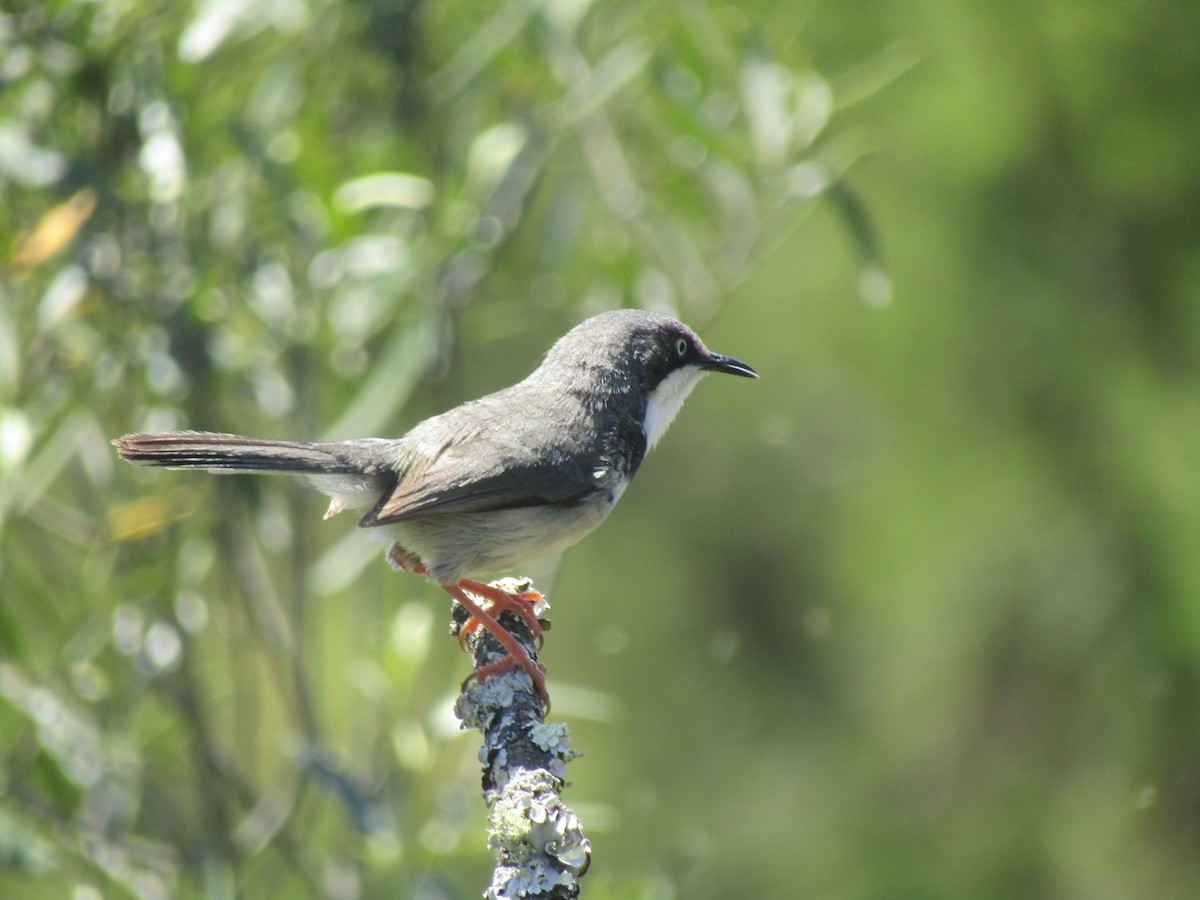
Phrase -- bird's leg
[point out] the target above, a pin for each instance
(401, 559)
(517, 655)
(519, 604)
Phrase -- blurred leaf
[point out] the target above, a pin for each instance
(768, 92)
(618, 68)
(142, 518)
(216, 21)
(393, 377)
(16, 441)
(876, 74)
(26, 163)
(475, 54)
(52, 454)
(10, 356)
(62, 298)
(56, 228)
(23, 849)
(491, 155)
(384, 189)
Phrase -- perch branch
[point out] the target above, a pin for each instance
(541, 850)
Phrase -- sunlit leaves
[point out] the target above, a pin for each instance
(272, 217)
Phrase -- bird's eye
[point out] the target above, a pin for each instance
(681, 347)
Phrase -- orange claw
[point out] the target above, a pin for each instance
(520, 604)
(503, 665)
(467, 629)
(517, 655)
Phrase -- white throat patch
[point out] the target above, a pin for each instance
(666, 399)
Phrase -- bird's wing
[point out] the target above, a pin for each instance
(483, 468)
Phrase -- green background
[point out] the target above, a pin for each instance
(915, 615)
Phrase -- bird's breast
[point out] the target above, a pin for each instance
(464, 545)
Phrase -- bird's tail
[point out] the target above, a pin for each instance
(234, 453)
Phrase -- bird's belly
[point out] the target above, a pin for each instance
(465, 545)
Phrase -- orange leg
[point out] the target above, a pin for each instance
(502, 601)
(517, 656)
(520, 605)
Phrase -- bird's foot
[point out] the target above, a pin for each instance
(519, 603)
(535, 671)
(517, 657)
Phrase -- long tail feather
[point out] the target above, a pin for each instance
(234, 453)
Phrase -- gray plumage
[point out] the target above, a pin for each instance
(515, 475)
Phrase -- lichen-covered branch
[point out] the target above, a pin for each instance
(541, 851)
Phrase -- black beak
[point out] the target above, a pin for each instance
(715, 362)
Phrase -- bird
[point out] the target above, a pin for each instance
(496, 482)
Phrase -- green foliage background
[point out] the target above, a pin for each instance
(916, 615)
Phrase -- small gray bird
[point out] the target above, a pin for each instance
(491, 484)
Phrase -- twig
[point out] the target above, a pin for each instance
(541, 850)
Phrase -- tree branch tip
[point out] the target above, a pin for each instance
(539, 840)
(541, 850)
